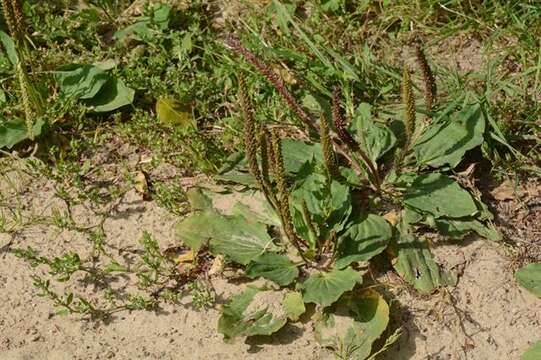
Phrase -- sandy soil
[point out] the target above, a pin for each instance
(487, 316)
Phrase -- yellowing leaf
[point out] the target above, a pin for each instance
(174, 113)
(186, 258)
(391, 217)
(505, 191)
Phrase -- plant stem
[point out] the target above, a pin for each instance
(339, 123)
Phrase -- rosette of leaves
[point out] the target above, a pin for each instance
(322, 202)
(300, 233)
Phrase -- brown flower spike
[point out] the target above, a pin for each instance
(272, 77)
(428, 77)
(409, 102)
(250, 138)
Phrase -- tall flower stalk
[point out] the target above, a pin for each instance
(31, 101)
(409, 102)
(273, 78)
(346, 137)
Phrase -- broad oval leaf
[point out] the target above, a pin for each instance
(234, 236)
(416, 265)
(353, 324)
(447, 141)
(458, 228)
(81, 81)
(440, 196)
(14, 131)
(197, 229)
(9, 46)
(328, 207)
(172, 112)
(114, 94)
(294, 305)
(241, 240)
(376, 139)
(275, 267)
(253, 312)
(364, 239)
(529, 277)
(324, 288)
(297, 153)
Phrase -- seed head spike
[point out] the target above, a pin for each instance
(250, 137)
(234, 44)
(428, 77)
(409, 102)
(339, 122)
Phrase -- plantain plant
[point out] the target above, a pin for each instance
(16, 46)
(315, 213)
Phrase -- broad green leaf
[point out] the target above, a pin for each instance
(253, 312)
(353, 324)
(114, 94)
(197, 229)
(446, 141)
(363, 239)
(376, 139)
(81, 81)
(440, 196)
(416, 265)
(328, 207)
(198, 199)
(529, 277)
(351, 176)
(458, 228)
(160, 15)
(294, 305)
(533, 353)
(9, 46)
(14, 131)
(241, 240)
(234, 236)
(275, 267)
(297, 153)
(172, 112)
(250, 204)
(237, 176)
(324, 288)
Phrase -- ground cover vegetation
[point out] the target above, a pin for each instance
(340, 146)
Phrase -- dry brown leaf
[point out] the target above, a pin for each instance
(391, 217)
(141, 184)
(503, 192)
(187, 257)
(218, 266)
